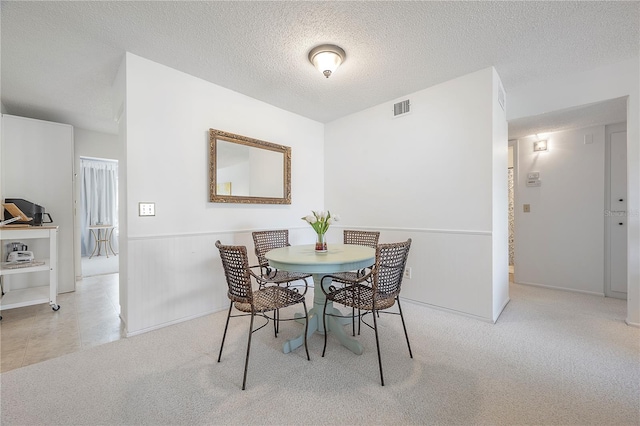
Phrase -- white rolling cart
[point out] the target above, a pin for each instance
(30, 295)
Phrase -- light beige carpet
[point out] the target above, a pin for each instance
(99, 265)
(553, 358)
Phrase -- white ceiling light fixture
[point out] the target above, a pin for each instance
(327, 58)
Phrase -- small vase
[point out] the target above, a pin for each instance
(321, 244)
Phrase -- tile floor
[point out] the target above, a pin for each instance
(87, 317)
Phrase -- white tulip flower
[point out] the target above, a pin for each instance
(320, 220)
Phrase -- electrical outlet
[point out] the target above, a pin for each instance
(407, 272)
(146, 209)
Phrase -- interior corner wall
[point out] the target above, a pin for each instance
(500, 201)
(604, 83)
(119, 90)
(173, 269)
(559, 243)
(426, 176)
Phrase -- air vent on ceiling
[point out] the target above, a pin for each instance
(401, 108)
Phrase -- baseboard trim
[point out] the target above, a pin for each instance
(632, 324)
(573, 290)
(167, 324)
(451, 311)
(504, 305)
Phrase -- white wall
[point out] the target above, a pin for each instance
(604, 83)
(119, 90)
(449, 209)
(560, 243)
(37, 165)
(499, 201)
(88, 143)
(427, 177)
(173, 270)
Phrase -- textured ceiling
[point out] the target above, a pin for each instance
(601, 113)
(59, 59)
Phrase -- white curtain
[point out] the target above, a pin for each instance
(99, 199)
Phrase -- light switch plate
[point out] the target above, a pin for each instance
(146, 209)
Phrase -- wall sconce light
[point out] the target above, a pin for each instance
(539, 146)
(327, 58)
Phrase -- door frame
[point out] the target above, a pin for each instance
(513, 144)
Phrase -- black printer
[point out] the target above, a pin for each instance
(32, 210)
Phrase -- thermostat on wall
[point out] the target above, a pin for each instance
(533, 179)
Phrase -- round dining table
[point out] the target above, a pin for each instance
(338, 258)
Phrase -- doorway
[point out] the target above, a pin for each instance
(98, 207)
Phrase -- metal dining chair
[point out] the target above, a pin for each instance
(363, 238)
(264, 241)
(255, 301)
(374, 292)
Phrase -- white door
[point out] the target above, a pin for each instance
(616, 216)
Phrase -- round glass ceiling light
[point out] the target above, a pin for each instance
(327, 58)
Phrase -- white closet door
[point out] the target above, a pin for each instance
(618, 215)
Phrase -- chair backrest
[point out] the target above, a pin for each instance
(268, 240)
(363, 238)
(389, 268)
(236, 269)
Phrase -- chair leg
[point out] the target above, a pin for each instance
(324, 326)
(275, 322)
(359, 314)
(246, 361)
(225, 331)
(375, 328)
(353, 320)
(306, 329)
(404, 326)
(353, 313)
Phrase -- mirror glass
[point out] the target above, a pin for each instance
(247, 170)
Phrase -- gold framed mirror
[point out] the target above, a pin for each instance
(247, 170)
